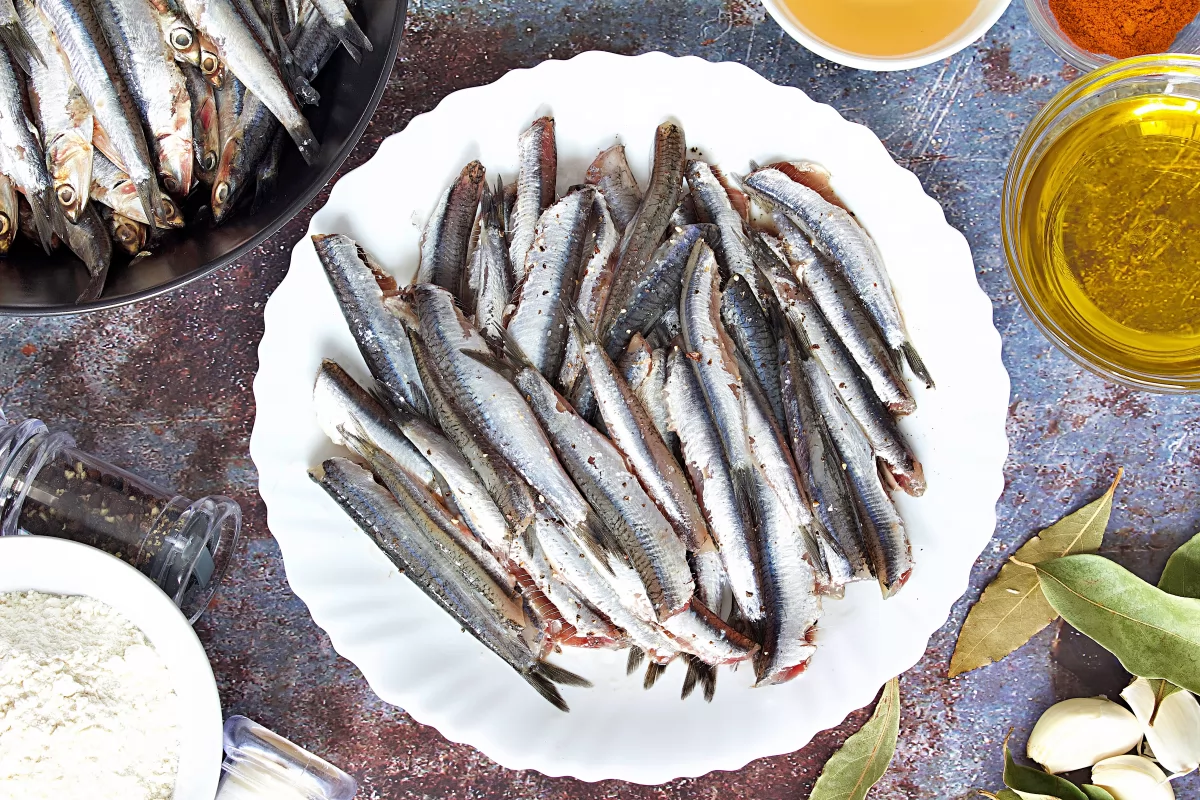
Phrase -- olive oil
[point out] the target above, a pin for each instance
(881, 27)
(1110, 231)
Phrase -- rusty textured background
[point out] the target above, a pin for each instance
(165, 388)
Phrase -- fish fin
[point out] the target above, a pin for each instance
(636, 656)
(546, 688)
(654, 671)
(497, 365)
(691, 677)
(917, 364)
(41, 204)
(561, 676)
(20, 46)
(708, 681)
(699, 673)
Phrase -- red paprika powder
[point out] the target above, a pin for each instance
(1124, 28)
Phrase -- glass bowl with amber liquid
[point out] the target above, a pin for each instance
(1101, 221)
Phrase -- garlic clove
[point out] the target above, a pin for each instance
(1079, 732)
(1175, 735)
(1132, 778)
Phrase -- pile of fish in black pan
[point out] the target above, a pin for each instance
(112, 112)
(627, 419)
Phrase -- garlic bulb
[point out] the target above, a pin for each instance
(1175, 735)
(1132, 778)
(1077, 733)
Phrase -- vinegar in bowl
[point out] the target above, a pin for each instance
(881, 27)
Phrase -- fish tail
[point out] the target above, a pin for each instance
(546, 688)
(353, 35)
(561, 676)
(41, 203)
(654, 671)
(636, 656)
(699, 673)
(916, 364)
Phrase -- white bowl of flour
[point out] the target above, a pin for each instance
(103, 683)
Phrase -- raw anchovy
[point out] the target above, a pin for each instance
(851, 383)
(724, 503)
(253, 131)
(647, 296)
(112, 187)
(341, 404)
(499, 412)
(338, 16)
(159, 91)
(840, 238)
(883, 531)
(846, 315)
(820, 465)
(447, 235)
(177, 32)
(748, 326)
(592, 628)
(62, 113)
(537, 155)
(21, 154)
(704, 634)
(644, 232)
(313, 43)
(362, 286)
(10, 213)
(718, 203)
(239, 50)
(611, 175)
(645, 371)
(635, 435)
(206, 132)
(486, 291)
(79, 34)
(378, 514)
(89, 240)
(595, 282)
(538, 322)
(127, 234)
(267, 173)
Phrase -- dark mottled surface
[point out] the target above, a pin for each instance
(166, 389)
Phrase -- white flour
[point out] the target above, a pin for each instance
(87, 710)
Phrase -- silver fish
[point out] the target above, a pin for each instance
(341, 404)
(361, 286)
(645, 370)
(88, 238)
(10, 213)
(115, 189)
(21, 157)
(62, 113)
(159, 90)
(748, 326)
(837, 234)
(206, 131)
(599, 469)
(375, 511)
(595, 282)
(238, 49)
(611, 175)
(447, 235)
(701, 632)
(250, 135)
(724, 503)
(714, 202)
(591, 628)
(487, 290)
(537, 156)
(854, 387)
(340, 20)
(96, 73)
(538, 322)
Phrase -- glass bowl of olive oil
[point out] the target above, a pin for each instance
(1101, 221)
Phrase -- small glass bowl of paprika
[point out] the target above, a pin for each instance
(1091, 33)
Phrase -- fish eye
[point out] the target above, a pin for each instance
(170, 182)
(208, 64)
(182, 39)
(66, 195)
(5, 225)
(222, 192)
(210, 160)
(169, 209)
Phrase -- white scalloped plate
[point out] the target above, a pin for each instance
(416, 657)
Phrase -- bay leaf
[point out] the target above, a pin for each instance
(1030, 781)
(1012, 608)
(864, 758)
(1096, 792)
(1181, 576)
(1008, 794)
(1153, 633)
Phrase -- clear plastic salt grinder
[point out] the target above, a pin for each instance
(262, 765)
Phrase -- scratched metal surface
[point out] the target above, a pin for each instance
(164, 388)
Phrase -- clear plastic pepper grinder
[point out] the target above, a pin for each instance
(48, 487)
(262, 765)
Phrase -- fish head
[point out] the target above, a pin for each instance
(129, 234)
(175, 157)
(231, 174)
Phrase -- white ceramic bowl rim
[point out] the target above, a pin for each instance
(61, 566)
(944, 49)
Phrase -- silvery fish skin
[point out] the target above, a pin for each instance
(610, 174)
(487, 290)
(447, 235)
(633, 432)
(592, 627)
(645, 371)
(251, 130)
(711, 196)
(341, 404)
(748, 326)
(599, 469)
(206, 131)
(158, 88)
(96, 73)
(361, 286)
(644, 232)
(820, 464)
(537, 157)
(853, 386)
(21, 153)
(837, 234)
(499, 412)
(645, 297)
(883, 533)
(338, 16)
(538, 322)
(10, 213)
(701, 632)
(724, 504)
(844, 312)
(241, 53)
(595, 283)
(88, 238)
(378, 514)
(112, 187)
(127, 234)
(62, 113)
(177, 32)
